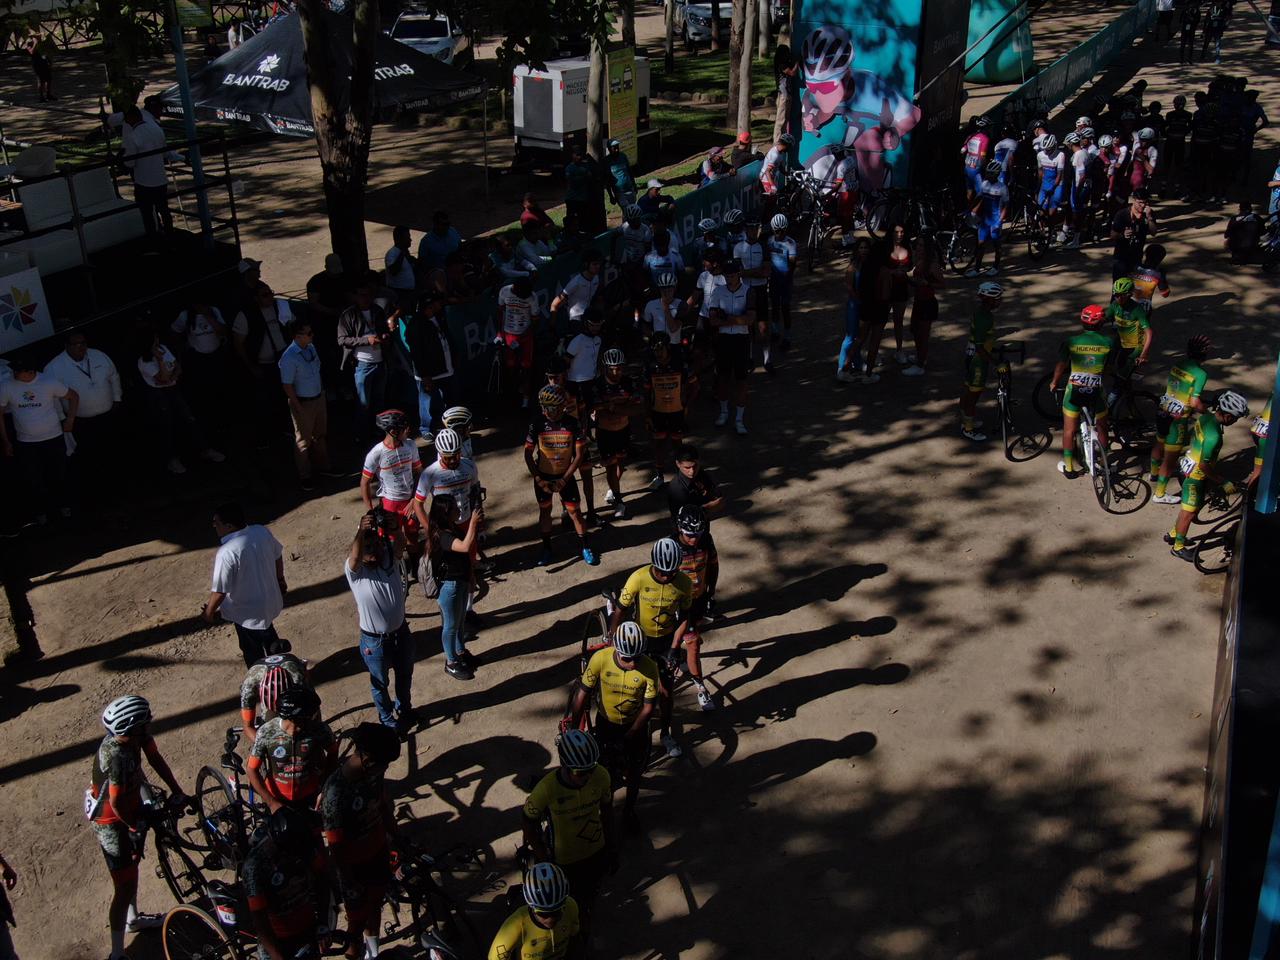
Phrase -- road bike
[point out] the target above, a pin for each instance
(1132, 412)
(176, 850)
(229, 812)
(1018, 446)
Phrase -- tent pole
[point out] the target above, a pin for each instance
(189, 125)
(486, 144)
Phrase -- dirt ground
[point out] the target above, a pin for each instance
(963, 709)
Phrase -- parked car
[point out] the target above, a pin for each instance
(429, 33)
(693, 22)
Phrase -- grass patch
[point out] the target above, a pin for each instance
(705, 73)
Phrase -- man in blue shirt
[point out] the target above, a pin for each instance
(438, 242)
(622, 185)
(300, 377)
(1273, 206)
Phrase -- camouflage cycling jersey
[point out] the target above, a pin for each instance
(116, 764)
(296, 763)
(284, 889)
(352, 814)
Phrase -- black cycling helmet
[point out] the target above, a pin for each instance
(1198, 347)
(298, 702)
(291, 831)
(377, 743)
(691, 520)
(391, 421)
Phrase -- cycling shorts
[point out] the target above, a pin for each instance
(1192, 494)
(1050, 197)
(519, 351)
(1127, 362)
(975, 375)
(569, 495)
(733, 355)
(666, 426)
(1081, 194)
(988, 231)
(1074, 400)
(780, 288)
(973, 177)
(1173, 432)
(585, 876)
(1260, 450)
(121, 847)
(359, 882)
(612, 736)
(584, 391)
(613, 444)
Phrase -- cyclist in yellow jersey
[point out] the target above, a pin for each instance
(627, 682)
(546, 928)
(1082, 359)
(1133, 329)
(1199, 463)
(661, 597)
(1179, 407)
(1260, 429)
(576, 802)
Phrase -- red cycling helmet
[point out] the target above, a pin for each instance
(274, 683)
(1092, 315)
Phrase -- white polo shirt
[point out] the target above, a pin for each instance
(95, 378)
(245, 570)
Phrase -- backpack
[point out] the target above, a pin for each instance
(427, 578)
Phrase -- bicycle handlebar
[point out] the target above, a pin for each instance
(1008, 347)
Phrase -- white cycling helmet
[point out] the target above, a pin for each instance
(1232, 404)
(990, 289)
(733, 217)
(628, 640)
(578, 750)
(666, 279)
(545, 887)
(1087, 133)
(665, 555)
(779, 221)
(125, 713)
(456, 417)
(613, 357)
(634, 212)
(1048, 143)
(1106, 140)
(448, 441)
(1146, 133)
(706, 225)
(826, 54)
(1071, 139)
(995, 168)
(1083, 122)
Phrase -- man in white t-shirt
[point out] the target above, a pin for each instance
(401, 278)
(517, 313)
(248, 583)
(94, 378)
(732, 316)
(583, 354)
(582, 290)
(39, 447)
(753, 254)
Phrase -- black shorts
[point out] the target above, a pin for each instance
(613, 444)
(585, 876)
(568, 494)
(613, 735)
(664, 426)
(584, 391)
(121, 847)
(733, 355)
(762, 301)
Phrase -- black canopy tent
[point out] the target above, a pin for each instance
(263, 82)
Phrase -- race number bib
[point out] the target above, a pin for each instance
(1186, 465)
(1086, 381)
(92, 804)
(1172, 406)
(1260, 428)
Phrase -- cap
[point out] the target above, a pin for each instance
(654, 183)
(744, 136)
(733, 266)
(246, 265)
(715, 151)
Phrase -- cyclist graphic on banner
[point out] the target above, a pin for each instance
(841, 106)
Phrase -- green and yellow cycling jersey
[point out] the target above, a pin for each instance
(982, 332)
(1206, 444)
(1086, 355)
(1186, 381)
(1261, 427)
(1131, 324)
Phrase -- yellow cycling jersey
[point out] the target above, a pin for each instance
(622, 692)
(659, 606)
(577, 831)
(520, 938)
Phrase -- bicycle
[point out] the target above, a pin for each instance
(1005, 402)
(228, 810)
(175, 864)
(1132, 412)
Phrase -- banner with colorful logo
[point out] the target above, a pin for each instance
(24, 312)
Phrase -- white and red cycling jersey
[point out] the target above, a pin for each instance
(773, 171)
(975, 150)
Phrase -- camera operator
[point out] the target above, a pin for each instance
(373, 571)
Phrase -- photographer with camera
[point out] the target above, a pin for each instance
(373, 572)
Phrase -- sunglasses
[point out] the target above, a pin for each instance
(824, 86)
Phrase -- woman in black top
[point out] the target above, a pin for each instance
(451, 567)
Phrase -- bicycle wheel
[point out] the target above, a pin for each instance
(1215, 549)
(1101, 473)
(1047, 403)
(436, 916)
(220, 816)
(881, 216)
(1217, 504)
(962, 252)
(1133, 418)
(176, 868)
(815, 239)
(1037, 237)
(191, 934)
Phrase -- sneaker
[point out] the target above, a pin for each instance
(610, 498)
(739, 428)
(1074, 242)
(619, 511)
(1185, 553)
(973, 435)
(146, 921)
(657, 482)
(176, 467)
(722, 418)
(704, 699)
(589, 557)
(544, 558)
(1063, 236)
(458, 670)
(972, 273)
(1169, 539)
(1069, 474)
(1167, 498)
(669, 744)
(871, 377)
(212, 455)
(900, 356)
(915, 370)
(844, 376)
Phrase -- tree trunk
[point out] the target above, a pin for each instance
(342, 135)
(597, 102)
(669, 47)
(715, 25)
(123, 46)
(628, 9)
(735, 60)
(764, 29)
(745, 59)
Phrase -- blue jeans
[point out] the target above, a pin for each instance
(381, 655)
(453, 606)
(850, 336)
(371, 390)
(432, 403)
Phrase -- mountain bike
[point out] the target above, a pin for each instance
(228, 810)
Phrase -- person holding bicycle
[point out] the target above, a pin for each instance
(293, 754)
(113, 805)
(263, 686)
(700, 562)
(547, 926)
(628, 686)
(286, 882)
(1132, 329)
(358, 823)
(1199, 464)
(982, 343)
(1081, 359)
(660, 595)
(575, 802)
(1179, 407)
